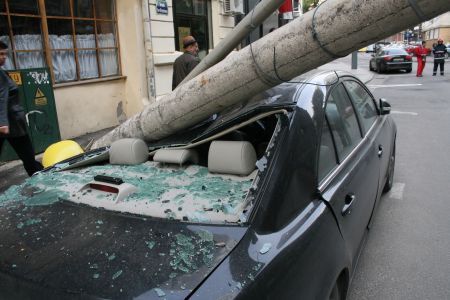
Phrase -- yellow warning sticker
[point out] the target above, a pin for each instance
(39, 93)
(40, 101)
(15, 76)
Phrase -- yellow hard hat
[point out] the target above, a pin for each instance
(60, 151)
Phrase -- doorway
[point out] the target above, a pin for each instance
(191, 18)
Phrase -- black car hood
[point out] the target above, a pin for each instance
(67, 251)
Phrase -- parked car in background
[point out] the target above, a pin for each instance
(271, 199)
(388, 59)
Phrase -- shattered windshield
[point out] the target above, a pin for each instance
(181, 193)
(213, 187)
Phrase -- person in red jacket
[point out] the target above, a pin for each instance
(421, 54)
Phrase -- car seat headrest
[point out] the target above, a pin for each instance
(128, 152)
(231, 157)
(176, 156)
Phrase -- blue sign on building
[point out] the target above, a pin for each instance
(161, 7)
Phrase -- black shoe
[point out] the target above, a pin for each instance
(442, 74)
(434, 74)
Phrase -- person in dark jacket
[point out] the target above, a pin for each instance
(439, 57)
(12, 119)
(185, 63)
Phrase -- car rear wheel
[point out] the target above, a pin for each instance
(382, 68)
(390, 176)
(408, 70)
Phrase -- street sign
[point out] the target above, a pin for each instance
(162, 7)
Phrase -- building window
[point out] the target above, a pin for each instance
(436, 33)
(77, 39)
(191, 18)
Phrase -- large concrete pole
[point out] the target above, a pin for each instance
(341, 26)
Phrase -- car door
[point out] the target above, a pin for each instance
(374, 125)
(348, 168)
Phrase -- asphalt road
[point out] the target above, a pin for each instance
(407, 251)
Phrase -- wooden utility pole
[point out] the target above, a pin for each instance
(335, 28)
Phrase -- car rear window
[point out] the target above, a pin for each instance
(396, 52)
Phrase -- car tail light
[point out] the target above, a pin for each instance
(408, 57)
(387, 58)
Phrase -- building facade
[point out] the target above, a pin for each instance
(107, 58)
(436, 28)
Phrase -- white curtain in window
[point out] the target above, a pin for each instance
(108, 62)
(61, 41)
(28, 42)
(26, 60)
(64, 61)
(108, 57)
(87, 59)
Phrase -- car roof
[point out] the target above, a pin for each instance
(285, 93)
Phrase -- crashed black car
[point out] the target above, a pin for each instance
(268, 199)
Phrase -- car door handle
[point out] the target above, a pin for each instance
(380, 151)
(349, 199)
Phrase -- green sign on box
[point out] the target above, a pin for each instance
(38, 100)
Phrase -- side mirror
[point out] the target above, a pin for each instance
(385, 107)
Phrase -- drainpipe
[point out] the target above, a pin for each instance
(150, 70)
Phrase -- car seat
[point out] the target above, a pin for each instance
(231, 157)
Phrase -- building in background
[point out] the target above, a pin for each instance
(108, 58)
(438, 27)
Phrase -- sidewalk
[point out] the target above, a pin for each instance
(12, 173)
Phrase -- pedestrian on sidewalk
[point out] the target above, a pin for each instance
(439, 57)
(185, 63)
(12, 119)
(421, 54)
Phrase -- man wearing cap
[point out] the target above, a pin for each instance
(185, 63)
(439, 57)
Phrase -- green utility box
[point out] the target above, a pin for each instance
(38, 100)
